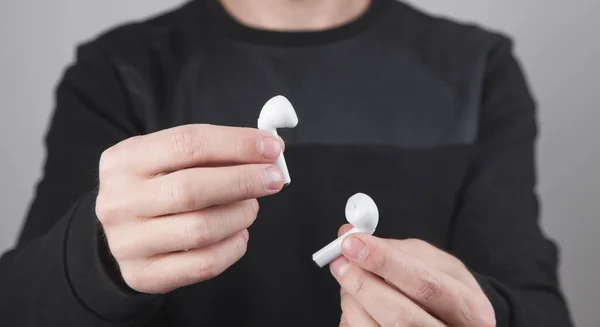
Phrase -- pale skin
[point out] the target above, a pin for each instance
(295, 15)
(392, 283)
(175, 207)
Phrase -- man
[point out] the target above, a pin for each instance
(148, 211)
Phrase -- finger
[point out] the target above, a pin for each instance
(198, 188)
(437, 259)
(175, 270)
(195, 145)
(385, 305)
(354, 314)
(443, 296)
(191, 230)
(344, 229)
(343, 322)
(227, 163)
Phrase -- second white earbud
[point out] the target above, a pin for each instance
(278, 112)
(362, 213)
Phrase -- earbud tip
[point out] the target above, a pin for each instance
(361, 210)
(281, 106)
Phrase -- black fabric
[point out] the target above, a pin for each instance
(88, 264)
(432, 118)
(227, 25)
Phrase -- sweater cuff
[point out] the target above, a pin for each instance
(498, 301)
(92, 277)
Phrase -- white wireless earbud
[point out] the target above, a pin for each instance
(362, 213)
(278, 112)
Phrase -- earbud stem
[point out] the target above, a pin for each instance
(272, 131)
(284, 170)
(332, 250)
(280, 163)
(276, 113)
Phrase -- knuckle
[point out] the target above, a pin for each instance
(481, 319)
(400, 320)
(113, 206)
(456, 264)
(118, 248)
(429, 287)
(415, 243)
(479, 313)
(100, 207)
(142, 276)
(183, 143)
(405, 318)
(486, 320)
(107, 161)
(245, 182)
(182, 193)
(112, 157)
(205, 269)
(241, 246)
(134, 278)
(219, 224)
(345, 302)
(250, 210)
(197, 232)
(359, 286)
(106, 210)
(379, 262)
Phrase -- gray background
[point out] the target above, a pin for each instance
(556, 40)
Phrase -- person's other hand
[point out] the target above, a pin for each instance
(397, 283)
(175, 205)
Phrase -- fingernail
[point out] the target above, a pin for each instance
(274, 178)
(269, 147)
(339, 266)
(354, 248)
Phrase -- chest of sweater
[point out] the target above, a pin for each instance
(405, 139)
(417, 192)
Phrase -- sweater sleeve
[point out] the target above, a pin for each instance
(496, 230)
(59, 273)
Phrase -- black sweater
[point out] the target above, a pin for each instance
(431, 118)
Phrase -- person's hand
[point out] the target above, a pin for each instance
(175, 205)
(398, 283)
